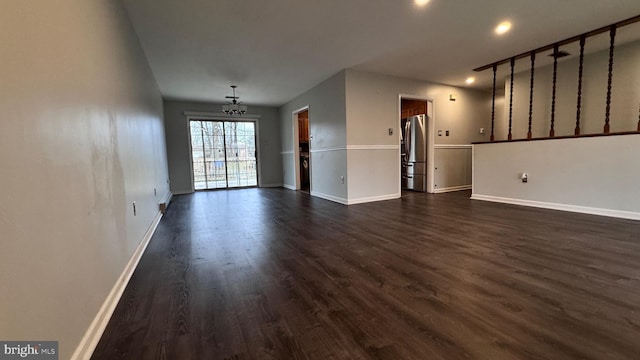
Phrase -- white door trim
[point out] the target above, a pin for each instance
(202, 116)
(296, 146)
(430, 141)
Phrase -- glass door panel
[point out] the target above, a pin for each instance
(241, 154)
(198, 155)
(224, 154)
(217, 169)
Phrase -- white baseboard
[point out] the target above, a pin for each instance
(453, 188)
(344, 201)
(96, 329)
(330, 197)
(373, 198)
(271, 185)
(167, 198)
(290, 187)
(564, 207)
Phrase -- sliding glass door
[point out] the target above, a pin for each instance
(241, 153)
(224, 154)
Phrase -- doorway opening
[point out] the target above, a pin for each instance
(303, 147)
(223, 154)
(416, 145)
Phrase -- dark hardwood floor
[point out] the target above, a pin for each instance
(276, 274)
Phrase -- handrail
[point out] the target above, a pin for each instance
(561, 137)
(588, 34)
(612, 29)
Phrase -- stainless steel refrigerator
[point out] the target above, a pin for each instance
(414, 153)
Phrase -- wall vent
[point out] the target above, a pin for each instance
(560, 54)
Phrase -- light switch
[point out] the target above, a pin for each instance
(439, 132)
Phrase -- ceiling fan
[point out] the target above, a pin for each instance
(234, 107)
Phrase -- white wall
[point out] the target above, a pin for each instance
(596, 175)
(373, 107)
(81, 138)
(327, 125)
(178, 147)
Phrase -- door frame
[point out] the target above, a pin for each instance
(296, 147)
(205, 116)
(431, 126)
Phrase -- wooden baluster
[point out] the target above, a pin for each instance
(509, 137)
(612, 40)
(580, 72)
(552, 131)
(533, 64)
(493, 102)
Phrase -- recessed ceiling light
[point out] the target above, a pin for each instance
(470, 80)
(421, 2)
(503, 27)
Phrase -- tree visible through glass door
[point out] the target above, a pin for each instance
(224, 154)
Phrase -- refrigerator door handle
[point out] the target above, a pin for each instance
(407, 138)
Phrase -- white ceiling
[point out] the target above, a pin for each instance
(275, 50)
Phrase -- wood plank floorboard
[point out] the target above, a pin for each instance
(277, 274)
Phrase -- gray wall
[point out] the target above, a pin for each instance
(350, 115)
(81, 138)
(596, 175)
(327, 125)
(178, 147)
(373, 107)
(453, 167)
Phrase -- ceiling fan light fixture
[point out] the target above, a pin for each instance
(234, 107)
